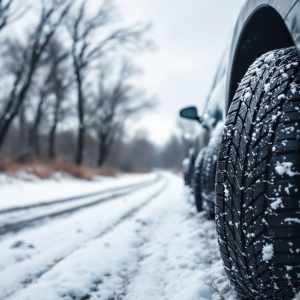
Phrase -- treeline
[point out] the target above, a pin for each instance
(135, 154)
(67, 86)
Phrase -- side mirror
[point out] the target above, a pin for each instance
(190, 113)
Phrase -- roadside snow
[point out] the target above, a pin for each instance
(163, 251)
(28, 254)
(17, 192)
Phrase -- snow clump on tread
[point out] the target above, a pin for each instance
(269, 58)
(267, 87)
(268, 252)
(285, 168)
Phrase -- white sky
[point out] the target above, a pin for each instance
(190, 37)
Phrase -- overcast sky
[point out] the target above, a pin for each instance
(190, 37)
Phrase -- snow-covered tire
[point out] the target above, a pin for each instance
(197, 175)
(190, 174)
(185, 166)
(257, 182)
(208, 174)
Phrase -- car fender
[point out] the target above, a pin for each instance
(262, 25)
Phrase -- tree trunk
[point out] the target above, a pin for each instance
(102, 150)
(9, 115)
(33, 133)
(51, 150)
(80, 145)
(22, 123)
(81, 128)
(37, 145)
(105, 144)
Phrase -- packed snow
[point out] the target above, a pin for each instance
(269, 57)
(149, 244)
(277, 203)
(268, 252)
(292, 220)
(267, 87)
(247, 96)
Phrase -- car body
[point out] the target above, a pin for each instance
(262, 25)
(251, 117)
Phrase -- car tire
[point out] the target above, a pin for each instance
(257, 181)
(191, 168)
(197, 176)
(208, 175)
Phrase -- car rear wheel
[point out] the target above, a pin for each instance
(197, 175)
(208, 173)
(257, 181)
(191, 168)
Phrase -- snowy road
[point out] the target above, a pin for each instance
(147, 244)
(17, 218)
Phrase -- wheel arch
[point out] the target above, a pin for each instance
(262, 26)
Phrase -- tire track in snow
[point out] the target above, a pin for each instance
(162, 252)
(20, 225)
(69, 199)
(13, 286)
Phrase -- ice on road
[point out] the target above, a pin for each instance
(150, 245)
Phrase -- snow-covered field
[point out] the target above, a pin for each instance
(145, 244)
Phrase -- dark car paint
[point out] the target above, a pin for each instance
(285, 32)
(262, 26)
(276, 24)
(292, 21)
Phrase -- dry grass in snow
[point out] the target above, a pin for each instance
(47, 170)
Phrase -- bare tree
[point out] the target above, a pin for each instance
(56, 82)
(8, 13)
(136, 154)
(61, 82)
(52, 14)
(86, 49)
(22, 124)
(116, 102)
(44, 90)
